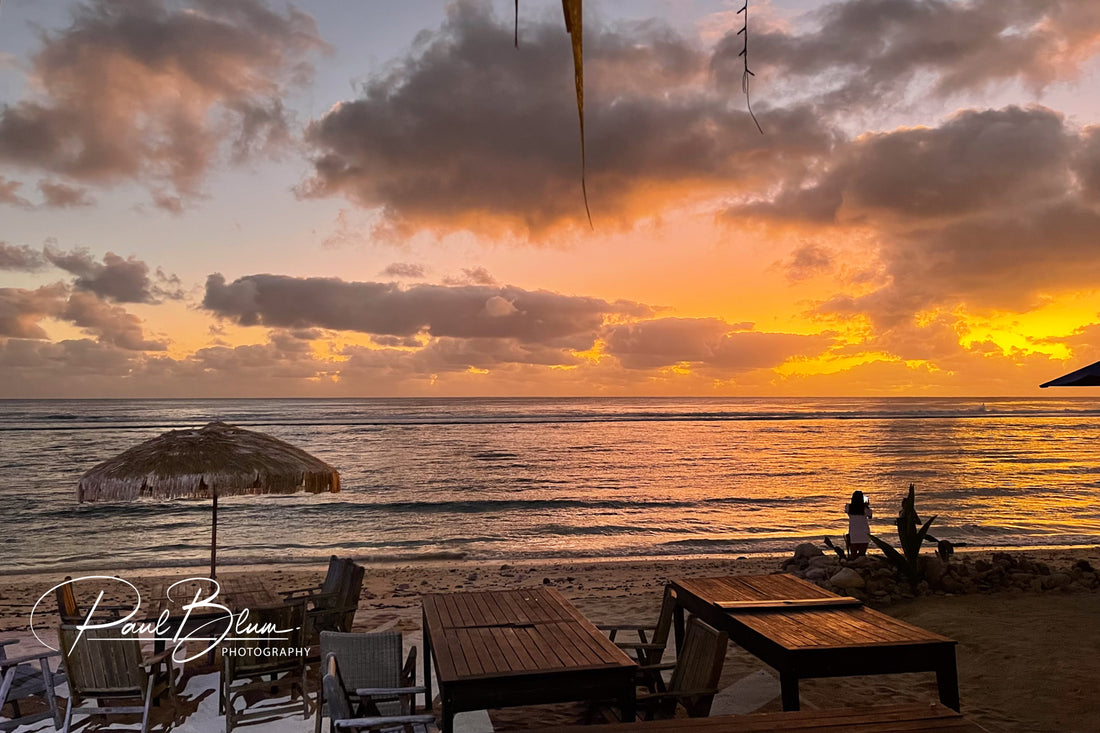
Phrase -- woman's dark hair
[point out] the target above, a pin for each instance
(857, 504)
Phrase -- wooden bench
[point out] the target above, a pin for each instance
(875, 719)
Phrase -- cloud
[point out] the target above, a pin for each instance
(809, 260)
(472, 276)
(467, 133)
(404, 270)
(710, 342)
(122, 280)
(62, 196)
(21, 310)
(139, 91)
(21, 258)
(990, 210)
(112, 324)
(9, 193)
(389, 309)
(859, 53)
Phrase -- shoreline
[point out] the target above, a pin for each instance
(438, 559)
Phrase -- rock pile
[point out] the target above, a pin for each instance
(873, 579)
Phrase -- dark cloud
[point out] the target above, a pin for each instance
(21, 310)
(21, 258)
(122, 280)
(112, 324)
(62, 196)
(404, 270)
(466, 132)
(990, 210)
(9, 193)
(472, 276)
(709, 342)
(809, 260)
(143, 91)
(389, 309)
(859, 53)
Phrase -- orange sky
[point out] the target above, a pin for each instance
(241, 199)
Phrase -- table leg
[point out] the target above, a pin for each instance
(627, 702)
(947, 679)
(446, 714)
(427, 662)
(678, 627)
(788, 683)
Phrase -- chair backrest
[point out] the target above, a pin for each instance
(250, 653)
(366, 660)
(67, 606)
(699, 666)
(101, 662)
(349, 593)
(334, 578)
(664, 625)
(335, 693)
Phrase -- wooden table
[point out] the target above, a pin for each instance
(804, 631)
(237, 592)
(874, 719)
(498, 649)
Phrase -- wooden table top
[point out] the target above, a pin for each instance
(513, 633)
(872, 719)
(803, 626)
(237, 592)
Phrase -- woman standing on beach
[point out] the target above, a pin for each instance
(859, 530)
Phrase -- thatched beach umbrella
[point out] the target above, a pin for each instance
(1084, 377)
(217, 460)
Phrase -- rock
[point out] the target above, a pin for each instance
(805, 551)
(546, 581)
(816, 574)
(1036, 585)
(1056, 580)
(847, 579)
(951, 584)
(820, 561)
(934, 568)
(1084, 566)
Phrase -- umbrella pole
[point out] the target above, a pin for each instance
(214, 540)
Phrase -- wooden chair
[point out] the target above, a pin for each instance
(335, 611)
(102, 666)
(372, 661)
(279, 656)
(349, 714)
(69, 610)
(651, 642)
(20, 679)
(695, 674)
(337, 567)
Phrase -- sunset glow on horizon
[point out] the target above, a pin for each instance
(255, 198)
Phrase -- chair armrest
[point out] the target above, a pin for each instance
(644, 697)
(638, 645)
(625, 627)
(24, 658)
(657, 667)
(313, 589)
(153, 661)
(408, 672)
(377, 722)
(378, 691)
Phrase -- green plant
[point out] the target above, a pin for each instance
(911, 534)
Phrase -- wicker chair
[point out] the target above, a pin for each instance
(371, 662)
(21, 678)
(351, 714)
(101, 666)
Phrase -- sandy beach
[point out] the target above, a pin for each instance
(1027, 660)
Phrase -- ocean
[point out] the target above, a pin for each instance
(514, 479)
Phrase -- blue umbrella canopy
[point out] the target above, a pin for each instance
(1084, 377)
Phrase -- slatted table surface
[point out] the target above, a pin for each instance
(876, 719)
(805, 631)
(236, 591)
(518, 647)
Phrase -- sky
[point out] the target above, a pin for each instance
(242, 198)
